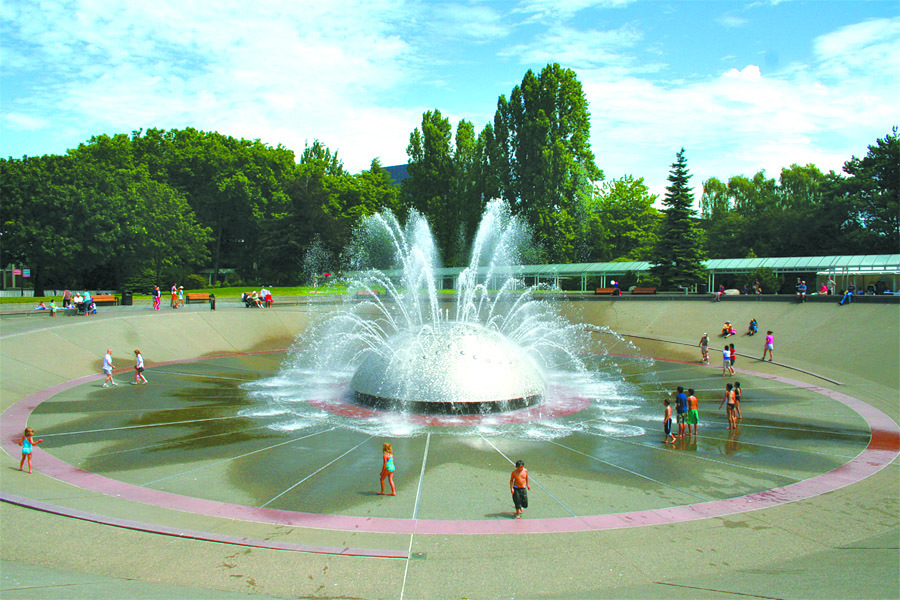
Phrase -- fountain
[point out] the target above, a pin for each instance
(492, 350)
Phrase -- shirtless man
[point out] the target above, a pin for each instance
(518, 486)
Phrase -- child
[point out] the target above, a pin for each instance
(753, 328)
(27, 442)
(108, 369)
(737, 400)
(729, 409)
(181, 296)
(519, 486)
(138, 368)
(732, 356)
(704, 348)
(52, 308)
(667, 422)
(387, 468)
(693, 413)
(770, 345)
(726, 360)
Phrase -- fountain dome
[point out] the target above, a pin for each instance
(449, 367)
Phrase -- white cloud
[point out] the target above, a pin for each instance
(22, 122)
(543, 10)
(732, 21)
(578, 49)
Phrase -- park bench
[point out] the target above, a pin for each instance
(196, 297)
(606, 292)
(105, 299)
(638, 290)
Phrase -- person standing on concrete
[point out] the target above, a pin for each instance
(387, 468)
(519, 486)
(138, 368)
(770, 345)
(680, 410)
(667, 422)
(693, 413)
(108, 369)
(704, 348)
(157, 297)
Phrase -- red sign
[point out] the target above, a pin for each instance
(17, 271)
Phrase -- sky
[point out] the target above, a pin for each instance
(742, 86)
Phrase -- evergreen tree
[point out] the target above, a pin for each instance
(678, 256)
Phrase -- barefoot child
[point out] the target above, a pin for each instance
(27, 442)
(737, 400)
(138, 368)
(729, 408)
(387, 468)
(667, 422)
(518, 486)
(693, 413)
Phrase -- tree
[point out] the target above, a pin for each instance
(541, 140)
(678, 256)
(626, 221)
(873, 189)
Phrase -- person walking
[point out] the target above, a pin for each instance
(770, 345)
(519, 486)
(108, 369)
(27, 442)
(704, 348)
(157, 297)
(387, 468)
(138, 368)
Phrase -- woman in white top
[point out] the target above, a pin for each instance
(138, 368)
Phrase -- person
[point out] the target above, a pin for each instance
(801, 292)
(667, 422)
(728, 399)
(40, 306)
(138, 368)
(266, 296)
(77, 298)
(732, 357)
(848, 296)
(66, 298)
(108, 369)
(726, 361)
(757, 288)
(181, 296)
(387, 468)
(693, 413)
(753, 327)
(831, 285)
(174, 301)
(704, 348)
(728, 329)
(770, 345)
(52, 308)
(27, 442)
(737, 400)
(823, 291)
(157, 297)
(255, 297)
(720, 292)
(519, 486)
(680, 410)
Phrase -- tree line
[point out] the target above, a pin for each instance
(128, 211)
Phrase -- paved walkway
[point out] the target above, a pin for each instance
(734, 551)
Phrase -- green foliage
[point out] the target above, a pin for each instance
(622, 220)
(195, 282)
(678, 256)
(541, 157)
(873, 192)
(769, 282)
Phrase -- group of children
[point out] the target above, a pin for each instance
(687, 411)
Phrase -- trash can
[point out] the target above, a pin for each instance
(127, 298)
(212, 302)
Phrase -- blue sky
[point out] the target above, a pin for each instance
(743, 86)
